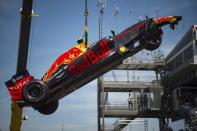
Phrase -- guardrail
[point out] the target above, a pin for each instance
(146, 56)
(139, 105)
(132, 79)
(121, 106)
(140, 83)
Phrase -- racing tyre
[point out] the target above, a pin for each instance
(153, 41)
(49, 108)
(35, 92)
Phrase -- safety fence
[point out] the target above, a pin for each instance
(147, 80)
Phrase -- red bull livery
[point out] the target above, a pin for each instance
(80, 65)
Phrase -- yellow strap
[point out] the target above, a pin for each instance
(16, 117)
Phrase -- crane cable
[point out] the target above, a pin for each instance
(31, 36)
(86, 24)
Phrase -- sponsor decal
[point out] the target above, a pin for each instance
(15, 89)
(90, 58)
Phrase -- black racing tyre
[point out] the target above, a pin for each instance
(153, 44)
(35, 92)
(152, 41)
(49, 108)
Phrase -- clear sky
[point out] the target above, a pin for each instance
(56, 29)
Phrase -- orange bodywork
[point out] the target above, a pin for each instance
(65, 58)
(165, 19)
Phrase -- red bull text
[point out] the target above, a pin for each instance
(90, 58)
(65, 58)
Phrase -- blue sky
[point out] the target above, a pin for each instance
(55, 30)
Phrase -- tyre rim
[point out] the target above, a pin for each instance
(34, 91)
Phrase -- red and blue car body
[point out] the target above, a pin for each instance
(78, 66)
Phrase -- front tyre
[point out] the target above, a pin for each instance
(35, 92)
(49, 108)
(152, 40)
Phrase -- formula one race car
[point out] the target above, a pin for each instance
(82, 64)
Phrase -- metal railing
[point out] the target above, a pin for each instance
(121, 106)
(132, 79)
(146, 57)
(139, 105)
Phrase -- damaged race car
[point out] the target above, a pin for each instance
(82, 64)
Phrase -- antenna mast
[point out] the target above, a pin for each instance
(101, 5)
(117, 11)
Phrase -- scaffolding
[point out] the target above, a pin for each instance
(145, 91)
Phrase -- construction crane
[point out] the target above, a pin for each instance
(26, 14)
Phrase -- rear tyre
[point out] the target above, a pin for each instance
(49, 108)
(35, 92)
(153, 44)
(152, 41)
